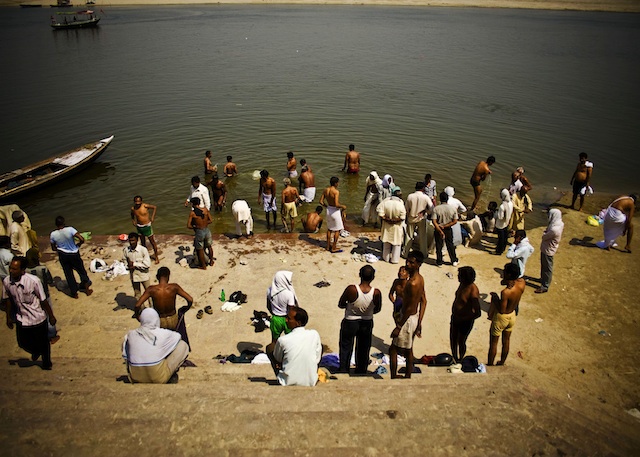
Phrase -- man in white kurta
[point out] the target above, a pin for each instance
(392, 212)
(297, 354)
(419, 206)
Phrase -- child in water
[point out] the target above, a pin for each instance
(397, 289)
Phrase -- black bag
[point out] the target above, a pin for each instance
(238, 297)
(469, 364)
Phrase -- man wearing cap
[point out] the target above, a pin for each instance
(19, 239)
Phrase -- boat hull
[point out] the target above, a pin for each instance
(37, 175)
(76, 25)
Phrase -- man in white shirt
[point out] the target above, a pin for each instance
(25, 300)
(297, 354)
(520, 251)
(199, 190)
(419, 207)
(136, 256)
(392, 212)
(19, 240)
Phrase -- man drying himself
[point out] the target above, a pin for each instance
(24, 299)
(163, 299)
(414, 304)
(331, 200)
(138, 262)
(297, 354)
(581, 179)
(65, 241)
(199, 220)
(503, 313)
(219, 193)
(464, 312)
(230, 168)
(288, 208)
(312, 222)
(360, 303)
(142, 221)
(480, 173)
(267, 196)
(352, 161)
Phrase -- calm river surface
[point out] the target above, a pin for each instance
(415, 89)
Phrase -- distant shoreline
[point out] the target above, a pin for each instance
(619, 6)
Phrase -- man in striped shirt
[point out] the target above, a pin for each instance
(27, 305)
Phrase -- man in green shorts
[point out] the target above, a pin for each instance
(142, 216)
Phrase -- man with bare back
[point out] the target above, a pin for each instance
(291, 165)
(163, 298)
(331, 200)
(199, 220)
(219, 193)
(307, 184)
(480, 174)
(288, 205)
(267, 196)
(209, 168)
(230, 168)
(409, 324)
(142, 216)
(352, 161)
(503, 312)
(464, 311)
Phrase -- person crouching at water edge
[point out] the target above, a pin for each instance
(153, 354)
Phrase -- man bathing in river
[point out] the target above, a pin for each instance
(480, 174)
(142, 216)
(267, 196)
(352, 161)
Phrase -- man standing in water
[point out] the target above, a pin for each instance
(289, 199)
(142, 221)
(414, 304)
(480, 174)
(267, 196)
(331, 200)
(199, 220)
(352, 161)
(209, 168)
(581, 179)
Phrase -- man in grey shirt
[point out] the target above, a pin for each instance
(444, 217)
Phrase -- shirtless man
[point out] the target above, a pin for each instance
(219, 192)
(618, 221)
(330, 199)
(142, 220)
(312, 222)
(465, 310)
(199, 220)
(267, 196)
(503, 312)
(581, 178)
(396, 292)
(291, 165)
(209, 168)
(288, 205)
(352, 161)
(230, 168)
(307, 184)
(163, 298)
(480, 174)
(303, 163)
(414, 304)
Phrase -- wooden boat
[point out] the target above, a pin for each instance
(75, 20)
(62, 4)
(30, 5)
(50, 170)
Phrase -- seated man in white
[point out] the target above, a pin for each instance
(153, 354)
(297, 354)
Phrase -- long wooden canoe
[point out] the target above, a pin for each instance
(47, 171)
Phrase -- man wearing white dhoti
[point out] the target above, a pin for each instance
(618, 221)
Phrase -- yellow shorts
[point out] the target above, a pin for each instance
(502, 323)
(290, 210)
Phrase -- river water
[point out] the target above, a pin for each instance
(415, 89)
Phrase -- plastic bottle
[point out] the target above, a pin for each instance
(223, 298)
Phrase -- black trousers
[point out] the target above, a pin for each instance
(35, 340)
(361, 330)
(448, 240)
(69, 263)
